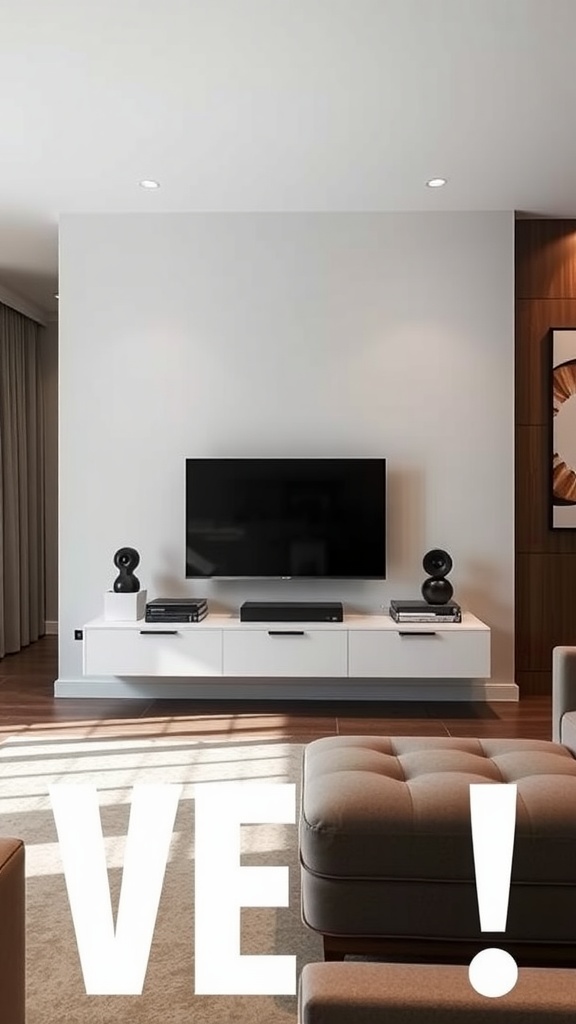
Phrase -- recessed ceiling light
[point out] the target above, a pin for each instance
(148, 183)
(436, 182)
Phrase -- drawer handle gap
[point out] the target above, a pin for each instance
(286, 632)
(158, 632)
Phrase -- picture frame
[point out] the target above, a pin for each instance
(563, 430)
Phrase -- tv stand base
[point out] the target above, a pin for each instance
(366, 657)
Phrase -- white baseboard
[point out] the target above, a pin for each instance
(51, 628)
(305, 689)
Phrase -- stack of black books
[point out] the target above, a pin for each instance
(421, 611)
(176, 609)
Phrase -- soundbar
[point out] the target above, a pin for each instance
(292, 611)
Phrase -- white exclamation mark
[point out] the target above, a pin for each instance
(493, 972)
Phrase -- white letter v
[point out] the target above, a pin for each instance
(114, 963)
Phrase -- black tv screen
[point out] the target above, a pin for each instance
(286, 518)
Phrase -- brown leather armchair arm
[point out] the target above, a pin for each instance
(12, 932)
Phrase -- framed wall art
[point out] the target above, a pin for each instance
(563, 468)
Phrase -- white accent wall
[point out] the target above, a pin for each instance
(287, 335)
(49, 371)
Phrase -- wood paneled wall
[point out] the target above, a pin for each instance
(545, 559)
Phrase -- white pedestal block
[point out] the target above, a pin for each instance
(124, 607)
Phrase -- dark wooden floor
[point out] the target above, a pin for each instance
(27, 704)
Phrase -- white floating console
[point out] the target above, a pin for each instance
(367, 647)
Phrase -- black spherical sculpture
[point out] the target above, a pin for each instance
(126, 560)
(436, 589)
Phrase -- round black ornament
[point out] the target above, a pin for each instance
(126, 560)
(437, 589)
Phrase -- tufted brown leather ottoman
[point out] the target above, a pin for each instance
(425, 994)
(386, 847)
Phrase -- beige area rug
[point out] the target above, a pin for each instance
(55, 989)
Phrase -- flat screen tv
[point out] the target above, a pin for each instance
(286, 518)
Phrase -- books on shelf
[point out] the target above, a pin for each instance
(176, 609)
(421, 611)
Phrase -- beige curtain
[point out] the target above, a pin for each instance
(22, 596)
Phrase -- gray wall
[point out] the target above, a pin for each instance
(287, 334)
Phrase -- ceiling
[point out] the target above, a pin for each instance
(277, 105)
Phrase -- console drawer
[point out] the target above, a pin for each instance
(285, 650)
(421, 651)
(153, 651)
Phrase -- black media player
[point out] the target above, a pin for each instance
(292, 611)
